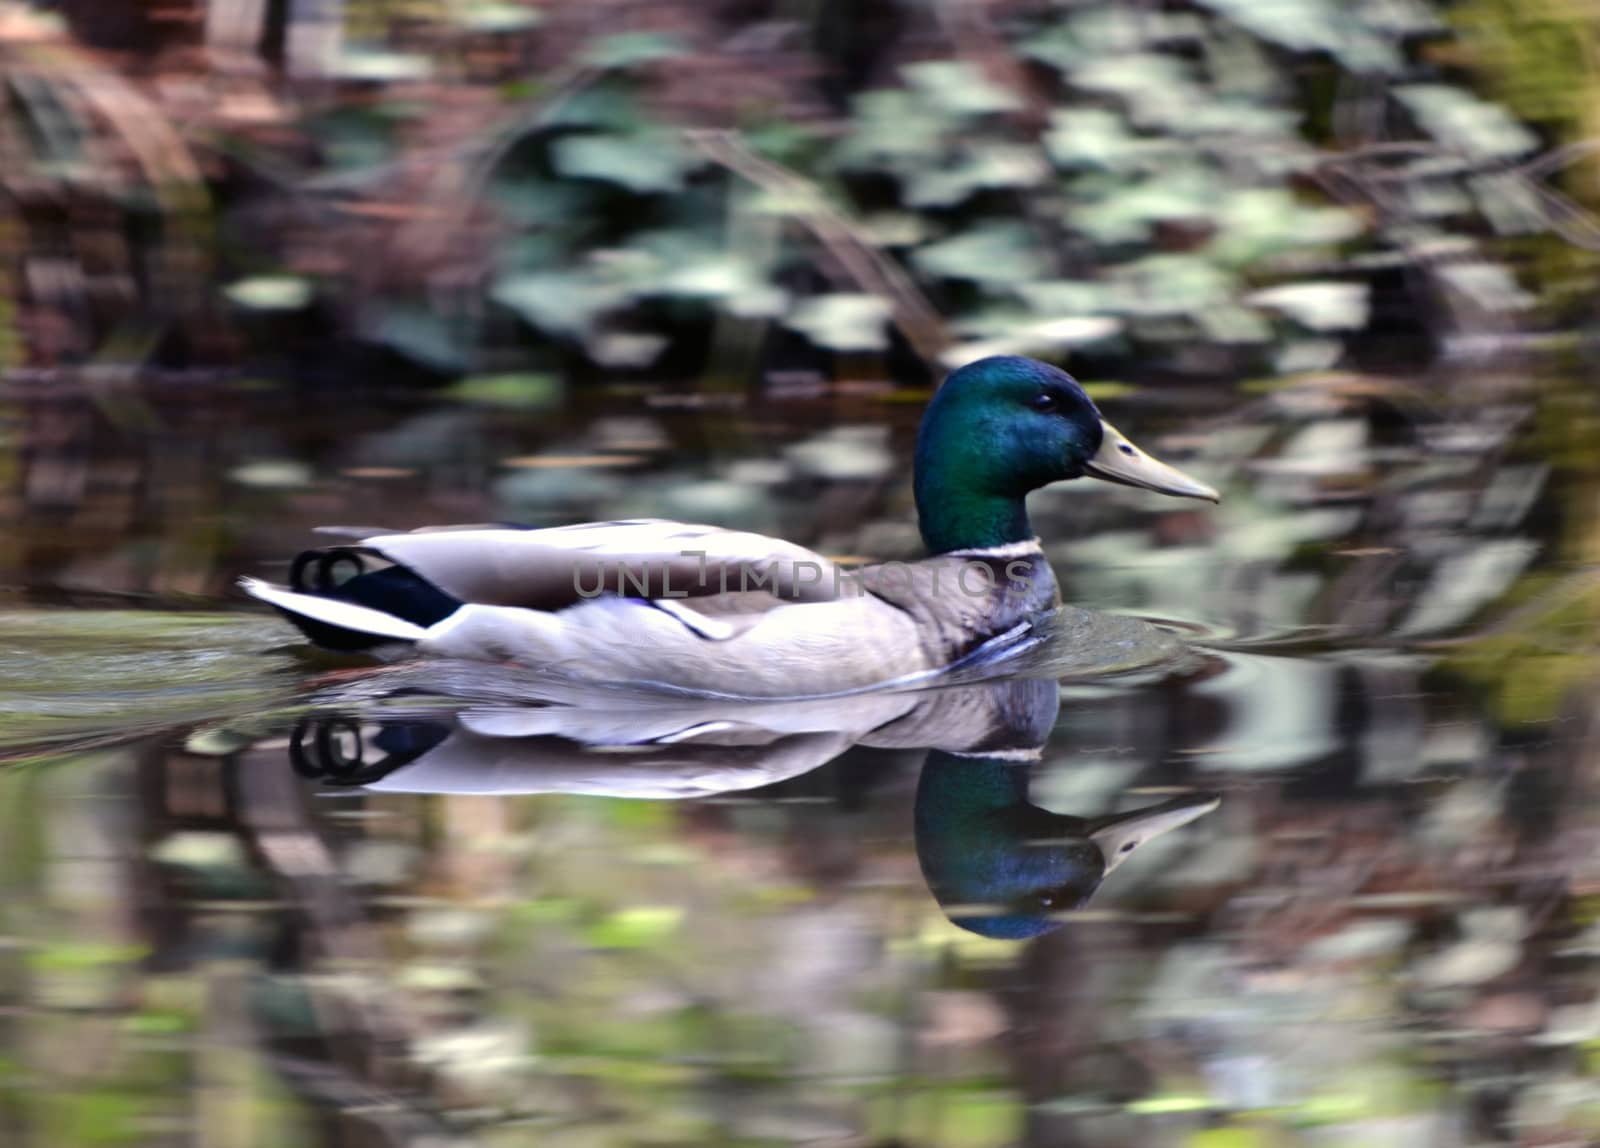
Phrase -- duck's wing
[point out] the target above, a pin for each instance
(637, 558)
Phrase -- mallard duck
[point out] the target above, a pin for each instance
(725, 612)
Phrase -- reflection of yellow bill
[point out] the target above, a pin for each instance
(1122, 833)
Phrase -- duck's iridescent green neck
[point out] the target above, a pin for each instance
(962, 501)
(954, 515)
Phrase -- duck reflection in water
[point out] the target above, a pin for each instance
(998, 864)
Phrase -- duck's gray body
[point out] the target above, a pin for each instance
(884, 624)
(700, 609)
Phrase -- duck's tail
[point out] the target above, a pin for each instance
(335, 622)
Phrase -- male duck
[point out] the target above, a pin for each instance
(734, 613)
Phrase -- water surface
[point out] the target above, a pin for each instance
(241, 894)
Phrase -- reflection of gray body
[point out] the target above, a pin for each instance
(655, 748)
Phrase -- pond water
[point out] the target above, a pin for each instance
(258, 896)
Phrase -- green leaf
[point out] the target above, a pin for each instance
(1509, 204)
(625, 349)
(1261, 223)
(382, 67)
(726, 278)
(600, 105)
(645, 162)
(1157, 89)
(1488, 285)
(1319, 306)
(272, 292)
(76, 955)
(560, 302)
(1098, 138)
(533, 202)
(1065, 297)
(499, 17)
(525, 391)
(636, 928)
(1180, 192)
(1011, 334)
(1173, 285)
(1228, 323)
(893, 131)
(1058, 48)
(422, 336)
(354, 137)
(780, 140)
(1312, 25)
(991, 165)
(216, 741)
(843, 322)
(959, 89)
(629, 49)
(1460, 120)
(991, 253)
(272, 474)
(684, 264)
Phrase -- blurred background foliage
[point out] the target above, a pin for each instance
(272, 263)
(502, 188)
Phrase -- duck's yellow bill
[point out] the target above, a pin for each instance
(1118, 460)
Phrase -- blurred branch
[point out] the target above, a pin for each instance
(869, 269)
(1564, 217)
(1571, 222)
(469, 168)
(1553, 161)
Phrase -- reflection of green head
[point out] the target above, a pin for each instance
(1003, 867)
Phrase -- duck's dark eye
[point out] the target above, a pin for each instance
(1045, 403)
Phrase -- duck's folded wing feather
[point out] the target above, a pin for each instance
(640, 558)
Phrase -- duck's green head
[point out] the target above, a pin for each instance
(1003, 867)
(1003, 426)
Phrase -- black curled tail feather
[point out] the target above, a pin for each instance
(392, 590)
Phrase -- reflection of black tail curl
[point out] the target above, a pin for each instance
(344, 574)
(333, 749)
